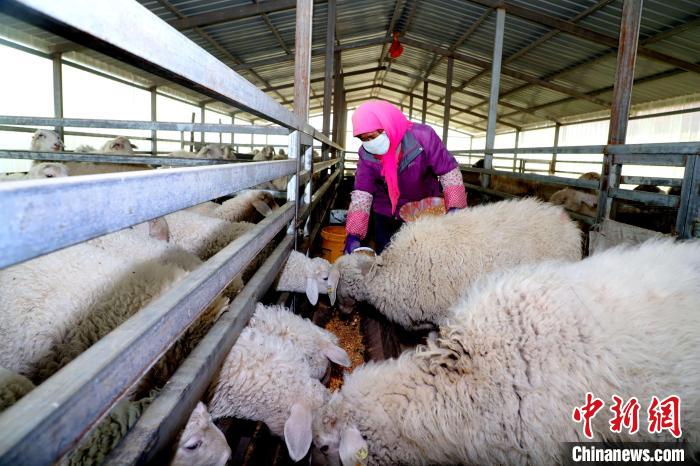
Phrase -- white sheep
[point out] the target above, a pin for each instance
(118, 145)
(86, 148)
(13, 386)
(264, 378)
(201, 442)
(46, 301)
(305, 274)
(315, 343)
(202, 235)
(247, 206)
(518, 354)
(47, 170)
(584, 203)
(46, 140)
(428, 262)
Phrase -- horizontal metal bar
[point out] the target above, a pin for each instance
(662, 160)
(320, 192)
(78, 208)
(656, 199)
(326, 140)
(24, 129)
(657, 148)
(538, 150)
(109, 158)
(589, 184)
(320, 166)
(58, 412)
(158, 426)
(144, 125)
(183, 62)
(650, 181)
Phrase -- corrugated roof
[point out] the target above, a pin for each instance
(671, 27)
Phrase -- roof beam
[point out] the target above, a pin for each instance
(541, 40)
(584, 33)
(316, 53)
(232, 14)
(437, 58)
(320, 79)
(510, 72)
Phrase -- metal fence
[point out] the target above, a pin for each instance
(41, 216)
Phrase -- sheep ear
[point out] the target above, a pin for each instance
(312, 290)
(297, 431)
(134, 146)
(158, 228)
(333, 280)
(336, 354)
(353, 447)
(262, 207)
(589, 201)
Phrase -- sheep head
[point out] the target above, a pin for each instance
(46, 140)
(336, 435)
(48, 170)
(352, 272)
(263, 202)
(201, 442)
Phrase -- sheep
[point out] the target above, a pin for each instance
(264, 378)
(302, 274)
(47, 170)
(519, 352)
(267, 153)
(248, 206)
(429, 261)
(13, 386)
(202, 235)
(118, 145)
(575, 200)
(210, 151)
(316, 344)
(86, 148)
(201, 442)
(45, 140)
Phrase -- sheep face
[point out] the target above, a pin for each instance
(576, 201)
(119, 145)
(210, 151)
(201, 442)
(354, 270)
(592, 176)
(48, 170)
(46, 140)
(264, 203)
(337, 438)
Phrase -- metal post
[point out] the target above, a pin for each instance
(688, 219)
(221, 135)
(302, 57)
(58, 92)
(515, 149)
(448, 100)
(192, 134)
(553, 163)
(622, 96)
(493, 98)
(233, 133)
(328, 74)
(154, 117)
(410, 107)
(338, 101)
(425, 102)
(202, 110)
(471, 144)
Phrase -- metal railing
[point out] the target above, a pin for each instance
(41, 216)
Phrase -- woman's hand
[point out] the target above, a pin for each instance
(352, 242)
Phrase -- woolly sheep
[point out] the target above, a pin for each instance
(46, 140)
(428, 262)
(85, 148)
(315, 343)
(61, 303)
(47, 170)
(519, 352)
(13, 386)
(304, 274)
(118, 145)
(202, 235)
(248, 206)
(201, 442)
(576, 200)
(264, 378)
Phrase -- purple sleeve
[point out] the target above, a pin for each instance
(440, 159)
(365, 177)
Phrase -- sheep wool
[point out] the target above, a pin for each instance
(248, 206)
(13, 386)
(430, 261)
(315, 343)
(519, 351)
(264, 378)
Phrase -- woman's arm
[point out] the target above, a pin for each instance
(445, 166)
(361, 200)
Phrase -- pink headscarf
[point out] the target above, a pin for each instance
(378, 114)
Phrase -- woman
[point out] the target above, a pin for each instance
(399, 162)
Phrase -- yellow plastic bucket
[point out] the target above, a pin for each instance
(332, 242)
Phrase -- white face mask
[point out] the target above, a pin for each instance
(378, 145)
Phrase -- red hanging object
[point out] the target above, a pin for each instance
(396, 48)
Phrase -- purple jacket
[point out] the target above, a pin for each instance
(424, 159)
